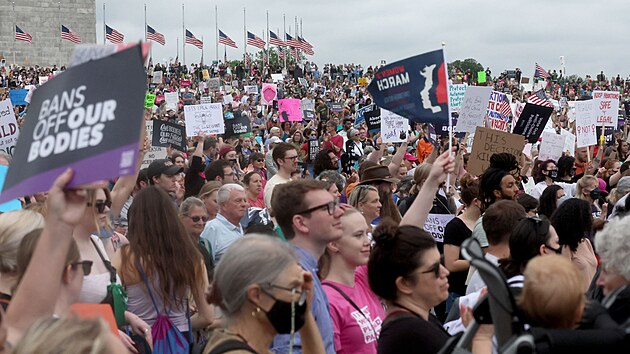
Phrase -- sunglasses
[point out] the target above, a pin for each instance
(85, 265)
(260, 160)
(435, 268)
(197, 218)
(101, 204)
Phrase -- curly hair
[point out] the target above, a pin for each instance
(504, 161)
(323, 162)
(572, 221)
(548, 201)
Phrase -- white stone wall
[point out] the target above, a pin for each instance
(42, 20)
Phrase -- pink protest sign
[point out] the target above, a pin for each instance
(289, 110)
(269, 93)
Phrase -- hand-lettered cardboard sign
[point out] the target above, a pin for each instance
(488, 142)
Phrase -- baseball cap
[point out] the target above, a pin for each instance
(163, 166)
(410, 157)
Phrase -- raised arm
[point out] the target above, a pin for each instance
(394, 165)
(417, 213)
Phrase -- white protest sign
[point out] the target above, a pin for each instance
(393, 127)
(252, 90)
(277, 77)
(435, 225)
(571, 111)
(31, 89)
(154, 152)
(8, 127)
(43, 80)
(157, 77)
(456, 96)
(171, 98)
(528, 87)
(227, 99)
(569, 141)
(551, 146)
(606, 108)
(473, 108)
(585, 123)
(206, 118)
(206, 99)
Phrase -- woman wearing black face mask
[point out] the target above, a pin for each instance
(588, 188)
(262, 291)
(547, 175)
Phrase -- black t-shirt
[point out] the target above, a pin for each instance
(455, 233)
(405, 333)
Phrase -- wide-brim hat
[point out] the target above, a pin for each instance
(377, 174)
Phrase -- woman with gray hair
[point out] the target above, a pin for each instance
(262, 291)
(613, 247)
(194, 215)
(354, 147)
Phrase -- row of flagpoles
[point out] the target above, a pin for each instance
(296, 43)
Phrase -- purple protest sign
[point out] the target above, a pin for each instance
(289, 110)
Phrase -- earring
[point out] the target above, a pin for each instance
(255, 312)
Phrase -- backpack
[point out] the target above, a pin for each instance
(167, 339)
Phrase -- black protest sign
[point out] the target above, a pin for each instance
(89, 119)
(313, 149)
(532, 121)
(237, 126)
(609, 134)
(373, 120)
(167, 134)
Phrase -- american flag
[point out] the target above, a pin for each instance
(70, 35)
(22, 36)
(113, 36)
(273, 39)
(292, 42)
(254, 40)
(191, 39)
(504, 109)
(540, 72)
(153, 35)
(539, 98)
(281, 53)
(224, 39)
(306, 46)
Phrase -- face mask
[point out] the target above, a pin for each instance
(595, 193)
(390, 149)
(280, 316)
(553, 175)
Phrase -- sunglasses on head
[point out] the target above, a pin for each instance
(101, 204)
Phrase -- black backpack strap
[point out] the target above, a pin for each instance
(231, 345)
(108, 264)
(356, 307)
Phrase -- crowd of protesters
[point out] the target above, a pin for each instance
(309, 236)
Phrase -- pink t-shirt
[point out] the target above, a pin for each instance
(353, 332)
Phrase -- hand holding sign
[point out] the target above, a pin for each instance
(66, 205)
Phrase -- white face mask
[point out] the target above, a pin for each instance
(390, 149)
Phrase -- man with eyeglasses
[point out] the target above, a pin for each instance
(310, 218)
(286, 158)
(225, 229)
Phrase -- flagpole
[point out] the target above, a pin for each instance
(145, 34)
(450, 120)
(268, 53)
(104, 30)
(216, 32)
(14, 31)
(244, 38)
(284, 29)
(184, 37)
(202, 50)
(59, 20)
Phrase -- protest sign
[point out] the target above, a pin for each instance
(206, 118)
(86, 52)
(14, 204)
(205, 99)
(494, 105)
(499, 124)
(227, 99)
(362, 81)
(608, 134)
(488, 142)
(155, 152)
(606, 106)
(251, 90)
(551, 146)
(569, 142)
(149, 100)
(289, 110)
(585, 123)
(307, 106)
(18, 97)
(205, 75)
(481, 77)
(303, 82)
(171, 98)
(359, 116)
(435, 225)
(532, 121)
(214, 84)
(394, 128)
(157, 77)
(184, 83)
(456, 96)
(313, 149)
(269, 93)
(167, 134)
(473, 109)
(373, 119)
(9, 131)
(415, 88)
(237, 126)
(43, 80)
(29, 95)
(336, 107)
(88, 119)
(277, 77)
(571, 111)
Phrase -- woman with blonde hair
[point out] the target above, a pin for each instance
(14, 225)
(208, 194)
(588, 188)
(366, 200)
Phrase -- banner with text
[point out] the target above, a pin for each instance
(532, 121)
(206, 118)
(585, 122)
(169, 134)
(488, 142)
(394, 128)
(473, 108)
(606, 108)
(9, 130)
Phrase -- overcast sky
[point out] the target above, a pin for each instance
(591, 35)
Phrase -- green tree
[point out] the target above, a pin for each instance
(467, 64)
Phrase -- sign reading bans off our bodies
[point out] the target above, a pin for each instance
(488, 142)
(88, 119)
